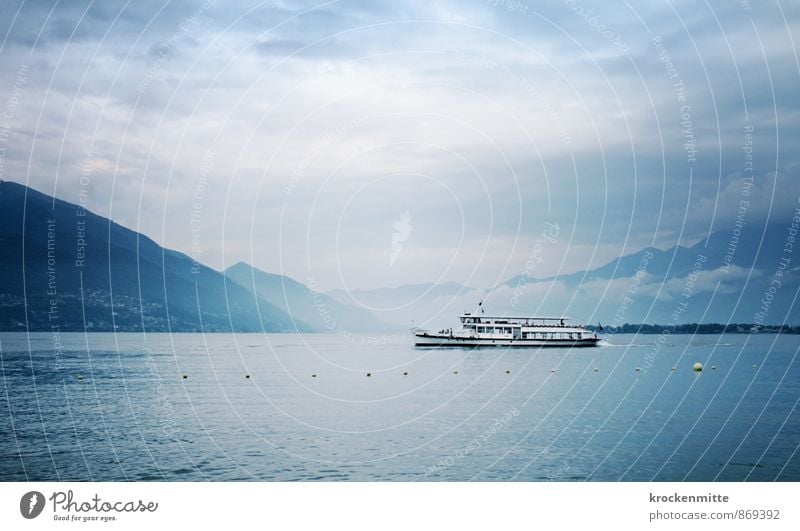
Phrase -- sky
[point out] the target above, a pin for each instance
(354, 144)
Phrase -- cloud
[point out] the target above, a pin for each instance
(720, 280)
(511, 117)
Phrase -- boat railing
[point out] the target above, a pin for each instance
(560, 322)
(525, 323)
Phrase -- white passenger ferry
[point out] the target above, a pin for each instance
(481, 330)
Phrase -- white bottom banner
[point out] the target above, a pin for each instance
(401, 506)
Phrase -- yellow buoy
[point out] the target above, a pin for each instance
(698, 367)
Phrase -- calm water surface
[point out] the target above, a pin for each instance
(322, 407)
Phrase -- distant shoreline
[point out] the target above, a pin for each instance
(696, 328)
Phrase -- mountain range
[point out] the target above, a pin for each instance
(66, 268)
(739, 274)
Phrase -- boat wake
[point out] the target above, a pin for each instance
(607, 343)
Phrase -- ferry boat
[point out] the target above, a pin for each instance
(487, 331)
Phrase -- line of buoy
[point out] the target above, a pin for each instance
(697, 367)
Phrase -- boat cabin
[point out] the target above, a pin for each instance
(544, 328)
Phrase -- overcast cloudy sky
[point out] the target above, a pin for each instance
(361, 144)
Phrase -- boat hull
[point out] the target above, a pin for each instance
(435, 340)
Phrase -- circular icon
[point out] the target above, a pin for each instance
(31, 504)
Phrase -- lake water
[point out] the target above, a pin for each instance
(323, 407)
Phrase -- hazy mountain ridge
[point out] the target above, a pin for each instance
(409, 304)
(399, 295)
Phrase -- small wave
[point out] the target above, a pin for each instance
(748, 465)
